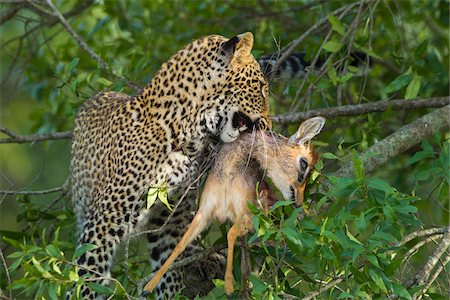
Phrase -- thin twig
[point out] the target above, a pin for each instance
(8, 277)
(326, 287)
(20, 139)
(358, 109)
(41, 192)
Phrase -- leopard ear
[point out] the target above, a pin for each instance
(239, 49)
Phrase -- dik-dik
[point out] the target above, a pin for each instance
(232, 181)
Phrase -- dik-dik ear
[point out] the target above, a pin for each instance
(239, 48)
(307, 130)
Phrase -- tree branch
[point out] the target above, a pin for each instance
(432, 278)
(76, 37)
(422, 233)
(20, 139)
(62, 188)
(358, 109)
(400, 104)
(425, 271)
(401, 140)
(42, 192)
(7, 15)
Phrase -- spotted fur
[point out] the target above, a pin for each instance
(211, 90)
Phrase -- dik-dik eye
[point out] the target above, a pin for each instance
(303, 164)
(303, 169)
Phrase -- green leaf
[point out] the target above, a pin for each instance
(162, 195)
(336, 24)
(413, 88)
(37, 265)
(72, 65)
(281, 203)
(152, 195)
(293, 239)
(351, 236)
(321, 202)
(373, 260)
(100, 288)
(332, 74)
(52, 250)
(398, 83)
(332, 46)
(329, 155)
(16, 254)
(421, 48)
(405, 209)
(400, 290)
(379, 184)
(83, 249)
(53, 291)
(15, 264)
(104, 81)
(73, 276)
(259, 286)
(327, 253)
(376, 277)
(56, 269)
(419, 156)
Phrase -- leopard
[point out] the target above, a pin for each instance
(206, 94)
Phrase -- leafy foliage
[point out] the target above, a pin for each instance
(346, 233)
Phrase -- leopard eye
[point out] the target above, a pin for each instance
(264, 89)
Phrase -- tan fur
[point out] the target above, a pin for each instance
(232, 182)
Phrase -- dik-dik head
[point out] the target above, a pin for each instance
(290, 163)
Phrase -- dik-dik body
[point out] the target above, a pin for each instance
(232, 181)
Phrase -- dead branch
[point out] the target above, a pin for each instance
(20, 139)
(401, 140)
(358, 109)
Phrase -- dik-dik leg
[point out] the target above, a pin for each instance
(197, 226)
(241, 226)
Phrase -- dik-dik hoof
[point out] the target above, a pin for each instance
(145, 293)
